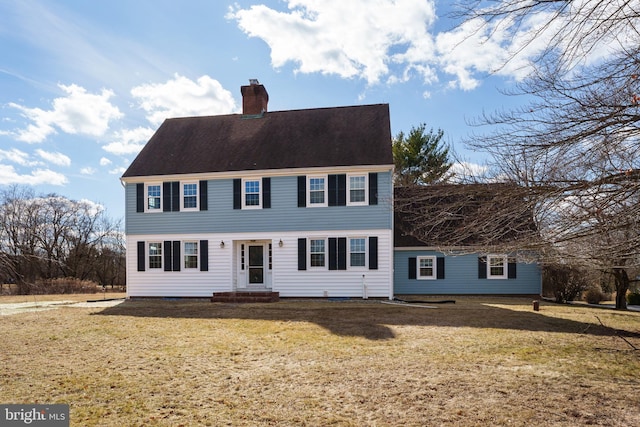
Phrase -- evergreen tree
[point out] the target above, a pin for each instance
(420, 158)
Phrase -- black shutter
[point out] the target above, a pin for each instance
(373, 188)
(139, 197)
(166, 196)
(482, 267)
(337, 186)
(332, 196)
(333, 253)
(440, 267)
(413, 263)
(342, 253)
(511, 269)
(204, 255)
(302, 191)
(204, 195)
(237, 193)
(176, 255)
(141, 256)
(373, 253)
(302, 254)
(175, 196)
(167, 247)
(341, 190)
(266, 193)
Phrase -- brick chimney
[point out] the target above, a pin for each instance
(254, 98)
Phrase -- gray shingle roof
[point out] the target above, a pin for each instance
(340, 136)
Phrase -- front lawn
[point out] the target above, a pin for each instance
(479, 361)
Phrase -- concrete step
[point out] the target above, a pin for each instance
(239, 297)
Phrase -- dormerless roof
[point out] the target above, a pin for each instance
(454, 215)
(321, 137)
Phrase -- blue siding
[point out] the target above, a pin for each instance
(284, 214)
(461, 277)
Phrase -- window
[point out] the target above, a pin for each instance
(426, 267)
(155, 255)
(496, 267)
(317, 191)
(357, 252)
(154, 198)
(317, 251)
(190, 196)
(190, 254)
(357, 189)
(251, 193)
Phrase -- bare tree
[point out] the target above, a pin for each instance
(51, 236)
(18, 241)
(572, 152)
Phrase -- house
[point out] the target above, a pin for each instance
(438, 249)
(296, 202)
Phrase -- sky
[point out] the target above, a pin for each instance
(84, 84)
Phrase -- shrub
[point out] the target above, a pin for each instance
(564, 282)
(633, 298)
(594, 295)
(65, 285)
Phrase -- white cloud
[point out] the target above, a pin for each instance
(8, 175)
(396, 40)
(129, 141)
(465, 169)
(93, 207)
(16, 156)
(118, 171)
(104, 161)
(181, 97)
(77, 113)
(87, 171)
(55, 158)
(346, 38)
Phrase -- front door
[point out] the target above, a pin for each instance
(256, 264)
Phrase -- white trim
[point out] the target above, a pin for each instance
(325, 191)
(366, 253)
(505, 267)
(434, 267)
(209, 176)
(365, 202)
(147, 255)
(183, 255)
(326, 253)
(244, 194)
(197, 196)
(146, 197)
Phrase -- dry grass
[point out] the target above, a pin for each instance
(317, 363)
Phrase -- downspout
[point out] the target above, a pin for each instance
(364, 289)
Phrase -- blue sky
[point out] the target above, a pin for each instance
(83, 85)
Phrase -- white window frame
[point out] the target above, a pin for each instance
(182, 196)
(244, 193)
(505, 266)
(161, 255)
(325, 253)
(434, 261)
(184, 255)
(366, 189)
(326, 193)
(366, 253)
(146, 197)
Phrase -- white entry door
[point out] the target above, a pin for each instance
(253, 264)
